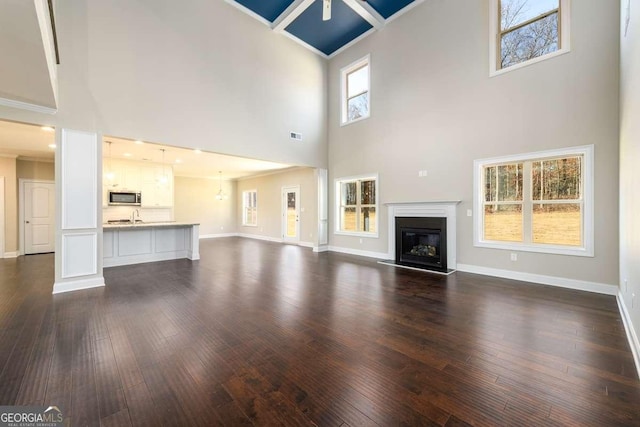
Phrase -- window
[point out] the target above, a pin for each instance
(540, 202)
(527, 31)
(357, 205)
(355, 91)
(250, 208)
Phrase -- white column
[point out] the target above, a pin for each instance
(78, 213)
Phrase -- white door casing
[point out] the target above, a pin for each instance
(39, 217)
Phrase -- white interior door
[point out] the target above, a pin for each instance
(291, 214)
(39, 217)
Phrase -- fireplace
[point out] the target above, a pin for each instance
(421, 242)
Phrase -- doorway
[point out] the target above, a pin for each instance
(291, 214)
(37, 216)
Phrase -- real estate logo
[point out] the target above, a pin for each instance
(30, 416)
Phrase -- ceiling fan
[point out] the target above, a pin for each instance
(326, 9)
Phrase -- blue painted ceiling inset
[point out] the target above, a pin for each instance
(387, 8)
(328, 36)
(268, 9)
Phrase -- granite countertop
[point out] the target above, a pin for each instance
(163, 224)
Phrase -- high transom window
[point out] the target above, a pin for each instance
(355, 86)
(526, 31)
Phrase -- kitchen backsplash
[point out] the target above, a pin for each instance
(146, 214)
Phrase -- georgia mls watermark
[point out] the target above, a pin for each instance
(30, 416)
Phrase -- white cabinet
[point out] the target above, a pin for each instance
(157, 186)
(154, 181)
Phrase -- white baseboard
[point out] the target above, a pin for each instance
(77, 285)
(306, 244)
(581, 285)
(217, 236)
(10, 255)
(377, 255)
(321, 248)
(634, 343)
(258, 237)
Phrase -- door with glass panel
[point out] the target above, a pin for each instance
(291, 214)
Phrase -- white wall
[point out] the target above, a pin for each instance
(195, 202)
(629, 160)
(434, 107)
(269, 189)
(190, 74)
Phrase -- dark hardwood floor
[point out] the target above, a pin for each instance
(257, 333)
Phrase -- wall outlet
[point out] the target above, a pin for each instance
(626, 286)
(222, 227)
(422, 173)
(469, 212)
(311, 235)
(360, 241)
(514, 256)
(633, 300)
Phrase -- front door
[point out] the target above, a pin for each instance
(291, 214)
(39, 217)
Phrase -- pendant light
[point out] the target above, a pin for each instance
(109, 175)
(163, 178)
(221, 195)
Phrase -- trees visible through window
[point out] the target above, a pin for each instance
(357, 205)
(250, 207)
(355, 91)
(528, 29)
(536, 202)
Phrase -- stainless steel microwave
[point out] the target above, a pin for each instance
(125, 198)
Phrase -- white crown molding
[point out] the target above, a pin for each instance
(351, 43)
(248, 12)
(27, 106)
(35, 159)
(305, 44)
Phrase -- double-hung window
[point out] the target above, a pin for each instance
(538, 202)
(527, 31)
(355, 88)
(250, 207)
(357, 205)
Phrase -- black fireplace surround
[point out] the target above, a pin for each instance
(422, 242)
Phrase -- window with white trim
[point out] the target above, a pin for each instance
(538, 202)
(250, 207)
(357, 205)
(527, 31)
(355, 88)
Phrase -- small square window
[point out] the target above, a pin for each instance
(355, 99)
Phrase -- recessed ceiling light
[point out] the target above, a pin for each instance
(197, 151)
(127, 154)
(138, 142)
(52, 145)
(47, 129)
(178, 161)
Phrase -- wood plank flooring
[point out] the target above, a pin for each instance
(257, 333)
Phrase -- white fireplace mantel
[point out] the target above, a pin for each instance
(439, 209)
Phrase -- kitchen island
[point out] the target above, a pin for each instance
(136, 243)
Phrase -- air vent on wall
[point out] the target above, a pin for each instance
(296, 136)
